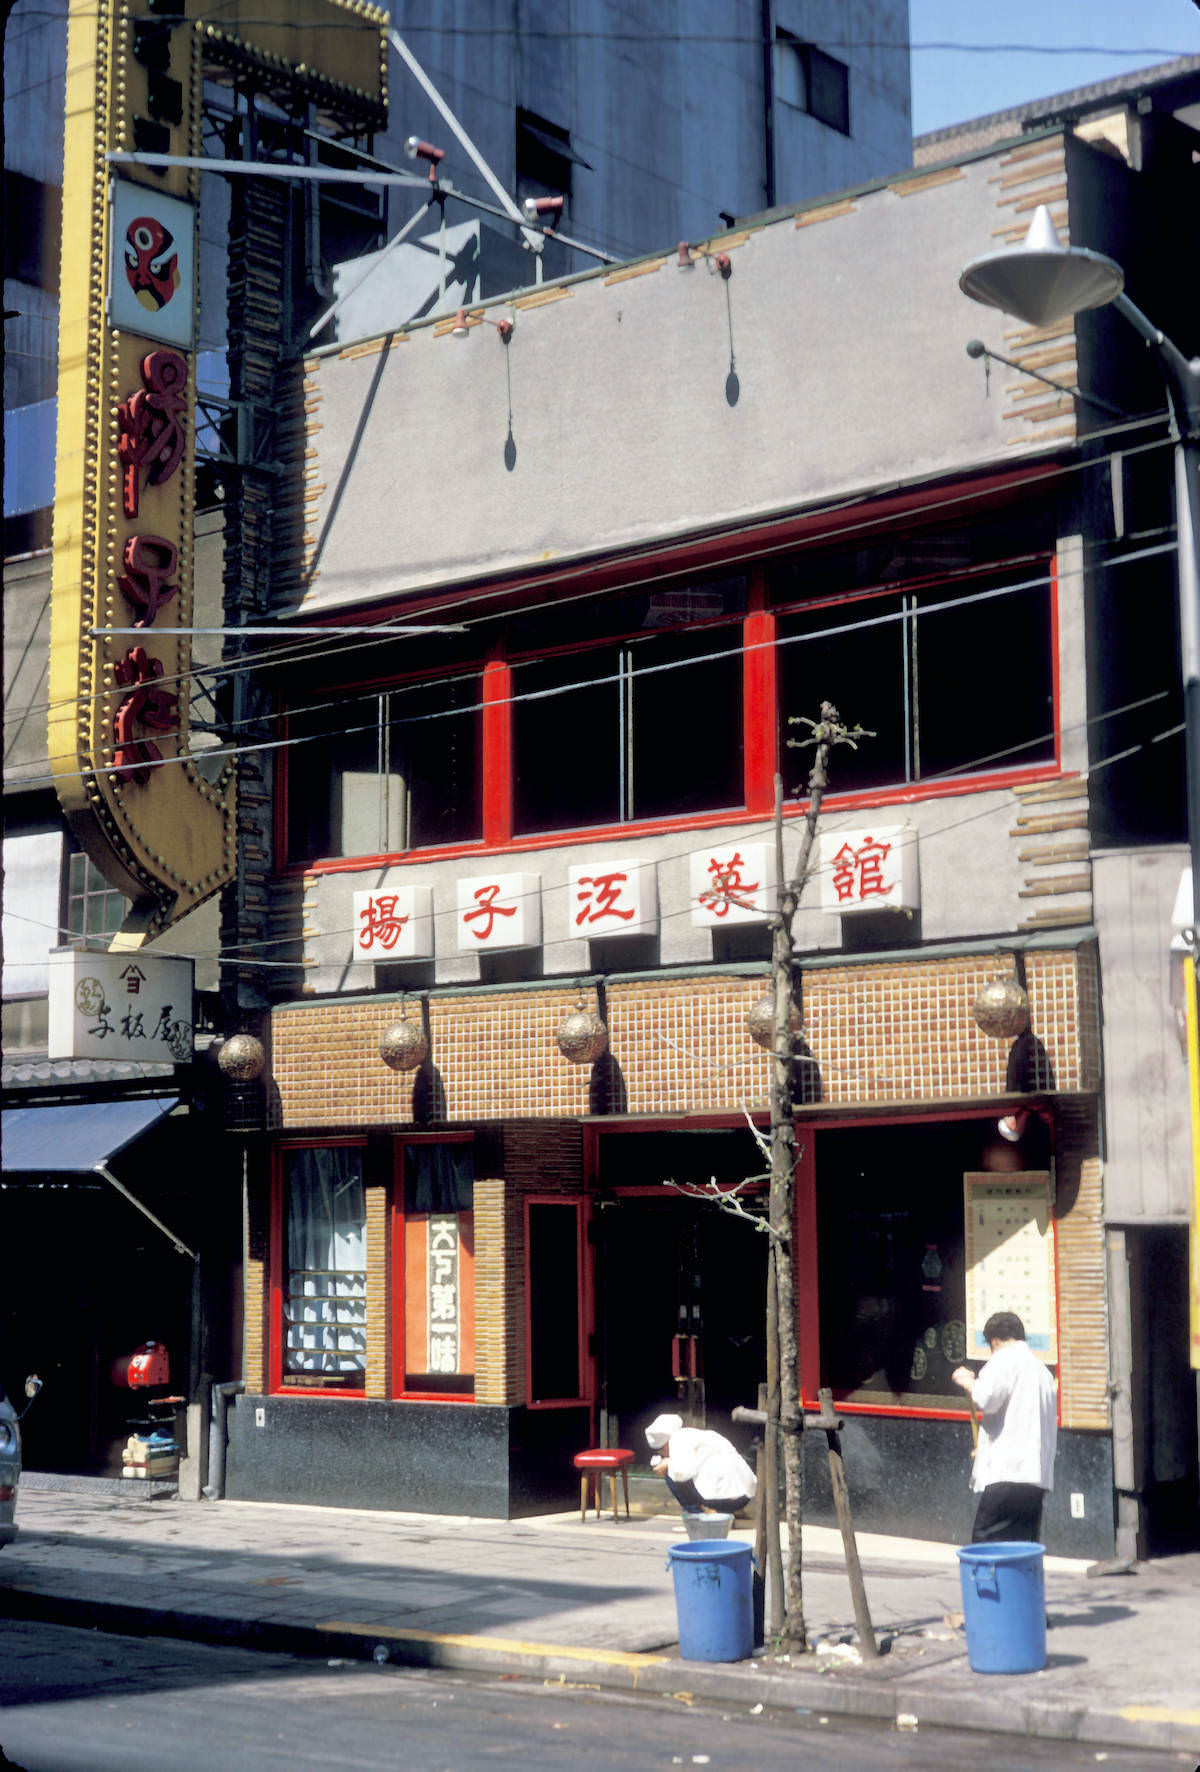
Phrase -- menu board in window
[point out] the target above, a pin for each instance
(1010, 1258)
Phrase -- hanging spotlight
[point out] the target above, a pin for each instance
(460, 329)
(544, 211)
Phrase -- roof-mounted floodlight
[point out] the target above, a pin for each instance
(416, 149)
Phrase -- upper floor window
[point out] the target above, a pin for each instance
(386, 771)
(813, 81)
(646, 728)
(906, 658)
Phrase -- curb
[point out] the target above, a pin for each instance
(866, 1698)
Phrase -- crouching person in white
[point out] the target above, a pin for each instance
(703, 1471)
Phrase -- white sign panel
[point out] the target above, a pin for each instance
(613, 897)
(121, 1006)
(732, 883)
(152, 274)
(499, 911)
(871, 869)
(1010, 1258)
(394, 925)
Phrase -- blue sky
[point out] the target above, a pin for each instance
(949, 86)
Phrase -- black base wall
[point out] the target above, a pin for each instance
(911, 1478)
(434, 1458)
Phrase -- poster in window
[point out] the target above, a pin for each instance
(442, 1302)
(1010, 1258)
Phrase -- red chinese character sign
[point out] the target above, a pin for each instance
(731, 883)
(393, 923)
(613, 896)
(870, 869)
(499, 911)
(159, 828)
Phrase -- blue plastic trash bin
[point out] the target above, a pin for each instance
(1004, 1606)
(714, 1603)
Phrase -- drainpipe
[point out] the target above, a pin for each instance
(214, 1489)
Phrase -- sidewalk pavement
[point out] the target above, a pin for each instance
(593, 1605)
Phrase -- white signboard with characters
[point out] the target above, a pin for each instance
(121, 1006)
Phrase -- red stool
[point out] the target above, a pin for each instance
(593, 1466)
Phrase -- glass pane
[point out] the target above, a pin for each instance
(686, 734)
(850, 654)
(567, 741)
(891, 1259)
(434, 758)
(553, 1301)
(439, 1177)
(325, 1298)
(984, 681)
(332, 774)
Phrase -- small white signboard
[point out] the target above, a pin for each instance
(613, 897)
(120, 1006)
(732, 883)
(394, 924)
(1010, 1258)
(873, 868)
(499, 911)
(152, 274)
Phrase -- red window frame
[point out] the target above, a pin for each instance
(746, 552)
(276, 1383)
(397, 1315)
(585, 1313)
(808, 1316)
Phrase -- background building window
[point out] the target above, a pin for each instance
(325, 1279)
(810, 80)
(94, 909)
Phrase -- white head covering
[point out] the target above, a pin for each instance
(661, 1429)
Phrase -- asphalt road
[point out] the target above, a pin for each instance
(80, 1701)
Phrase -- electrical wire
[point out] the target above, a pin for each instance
(829, 824)
(300, 652)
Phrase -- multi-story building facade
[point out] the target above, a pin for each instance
(661, 510)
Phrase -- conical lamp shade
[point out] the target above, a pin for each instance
(1041, 281)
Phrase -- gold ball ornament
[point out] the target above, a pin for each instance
(241, 1058)
(403, 1046)
(581, 1036)
(760, 1022)
(1001, 1009)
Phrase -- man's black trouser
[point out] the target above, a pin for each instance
(1009, 1511)
(692, 1502)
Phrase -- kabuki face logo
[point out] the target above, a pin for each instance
(151, 262)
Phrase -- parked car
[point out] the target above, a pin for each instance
(10, 1457)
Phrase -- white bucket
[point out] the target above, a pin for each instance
(708, 1525)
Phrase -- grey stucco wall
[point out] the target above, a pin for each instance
(846, 331)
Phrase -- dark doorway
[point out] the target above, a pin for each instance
(680, 1286)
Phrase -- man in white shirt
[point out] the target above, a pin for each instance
(1018, 1429)
(701, 1468)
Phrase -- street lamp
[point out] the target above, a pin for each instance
(1041, 281)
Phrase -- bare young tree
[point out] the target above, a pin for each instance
(785, 1419)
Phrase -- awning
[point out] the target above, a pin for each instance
(78, 1136)
(81, 1138)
